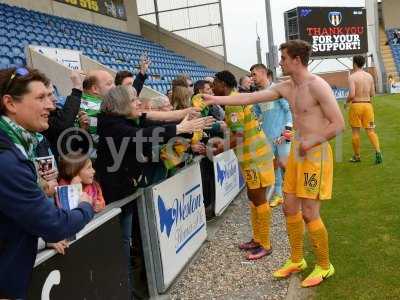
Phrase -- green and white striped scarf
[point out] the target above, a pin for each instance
(91, 105)
(24, 140)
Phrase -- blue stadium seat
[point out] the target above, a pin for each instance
(18, 61)
(5, 62)
(4, 50)
(16, 51)
(118, 50)
(14, 42)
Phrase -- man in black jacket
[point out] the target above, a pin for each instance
(63, 118)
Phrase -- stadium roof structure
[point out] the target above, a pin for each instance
(199, 21)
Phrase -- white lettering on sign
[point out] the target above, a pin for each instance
(54, 278)
(327, 43)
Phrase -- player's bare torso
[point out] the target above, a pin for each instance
(363, 83)
(308, 115)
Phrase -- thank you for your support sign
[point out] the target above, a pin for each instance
(181, 220)
(334, 31)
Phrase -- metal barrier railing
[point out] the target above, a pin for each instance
(165, 256)
(149, 239)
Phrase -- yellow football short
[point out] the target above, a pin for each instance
(311, 176)
(259, 175)
(361, 115)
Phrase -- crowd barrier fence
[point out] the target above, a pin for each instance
(172, 228)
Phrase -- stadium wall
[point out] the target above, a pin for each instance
(78, 14)
(374, 46)
(339, 79)
(187, 48)
(390, 10)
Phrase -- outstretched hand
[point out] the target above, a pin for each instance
(189, 126)
(193, 112)
(210, 99)
(208, 122)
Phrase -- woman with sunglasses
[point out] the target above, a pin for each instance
(25, 213)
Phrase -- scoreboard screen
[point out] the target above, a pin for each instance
(333, 31)
(111, 8)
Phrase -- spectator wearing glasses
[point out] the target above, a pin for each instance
(25, 213)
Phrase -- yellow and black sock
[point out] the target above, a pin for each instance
(254, 223)
(319, 240)
(264, 214)
(295, 230)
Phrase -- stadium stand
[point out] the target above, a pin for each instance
(395, 47)
(118, 50)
